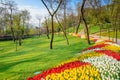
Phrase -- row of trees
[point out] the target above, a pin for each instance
(13, 21)
(101, 13)
(62, 15)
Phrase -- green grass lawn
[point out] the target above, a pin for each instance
(94, 29)
(73, 29)
(105, 33)
(111, 34)
(34, 55)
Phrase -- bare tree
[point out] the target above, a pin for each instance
(25, 17)
(4, 15)
(52, 15)
(39, 29)
(47, 29)
(12, 7)
(64, 4)
(79, 16)
(17, 29)
(1, 20)
(82, 15)
(64, 26)
(61, 26)
(116, 19)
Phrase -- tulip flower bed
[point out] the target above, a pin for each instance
(98, 62)
(70, 71)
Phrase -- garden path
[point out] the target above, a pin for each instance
(103, 37)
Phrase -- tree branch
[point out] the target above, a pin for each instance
(58, 7)
(47, 7)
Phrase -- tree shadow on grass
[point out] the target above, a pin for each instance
(21, 75)
(4, 67)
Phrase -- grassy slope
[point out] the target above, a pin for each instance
(72, 29)
(94, 29)
(35, 55)
(111, 34)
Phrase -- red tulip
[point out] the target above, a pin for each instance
(59, 69)
(97, 46)
(109, 53)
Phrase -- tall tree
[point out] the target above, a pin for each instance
(64, 26)
(39, 29)
(25, 17)
(95, 13)
(65, 4)
(17, 28)
(52, 16)
(83, 18)
(4, 15)
(47, 29)
(1, 20)
(78, 7)
(116, 18)
(61, 26)
(64, 23)
(12, 7)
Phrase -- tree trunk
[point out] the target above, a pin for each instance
(23, 28)
(11, 25)
(51, 45)
(19, 32)
(87, 32)
(52, 15)
(39, 29)
(108, 33)
(82, 13)
(116, 34)
(65, 15)
(64, 32)
(66, 37)
(13, 36)
(113, 33)
(78, 25)
(48, 33)
(20, 40)
(100, 30)
(47, 29)
(116, 28)
(16, 44)
(116, 31)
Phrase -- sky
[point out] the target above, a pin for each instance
(36, 9)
